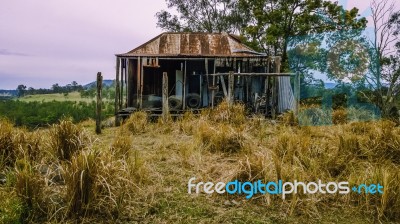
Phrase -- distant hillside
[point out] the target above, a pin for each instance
(106, 82)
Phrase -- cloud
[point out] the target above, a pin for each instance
(5, 52)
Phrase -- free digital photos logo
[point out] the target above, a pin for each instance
(249, 189)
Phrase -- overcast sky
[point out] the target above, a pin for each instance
(43, 42)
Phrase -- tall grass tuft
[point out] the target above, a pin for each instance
(314, 116)
(29, 187)
(137, 122)
(121, 146)
(339, 116)
(67, 138)
(80, 178)
(288, 118)
(224, 113)
(12, 207)
(220, 137)
(188, 123)
(8, 150)
(385, 206)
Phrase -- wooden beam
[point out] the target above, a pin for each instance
(127, 69)
(276, 87)
(213, 85)
(130, 84)
(98, 105)
(268, 90)
(144, 61)
(255, 74)
(139, 70)
(184, 88)
(208, 83)
(221, 78)
(121, 97)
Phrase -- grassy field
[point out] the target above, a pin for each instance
(73, 96)
(138, 173)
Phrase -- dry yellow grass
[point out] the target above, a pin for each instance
(139, 172)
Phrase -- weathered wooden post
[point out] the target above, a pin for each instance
(213, 91)
(230, 88)
(98, 106)
(165, 108)
(268, 89)
(123, 70)
(117, 93)
(276, 87)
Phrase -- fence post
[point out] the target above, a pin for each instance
(275, 97)
(230, 88)
(117, 92)
(98, 106)
(165, 108)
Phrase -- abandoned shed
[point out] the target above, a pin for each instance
(190, 71)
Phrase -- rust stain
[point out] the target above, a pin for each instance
(174, 44)
(192, 44)
(204, 44)
(185, 44)
(224, 48)
(163, 44)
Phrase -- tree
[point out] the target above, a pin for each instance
(21, 90)
(31, 91)
(56, 88)
(201, 16)
(386, 49)
(273, 22)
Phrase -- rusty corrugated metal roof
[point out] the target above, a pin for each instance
(193, 45)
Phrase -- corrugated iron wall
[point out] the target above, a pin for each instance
(285, 96)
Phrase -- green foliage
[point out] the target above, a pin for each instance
(39, 114)
(11, 208)
(296, 17)
(210, 16)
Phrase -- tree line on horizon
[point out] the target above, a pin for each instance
(86, 91)
(22, 90)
